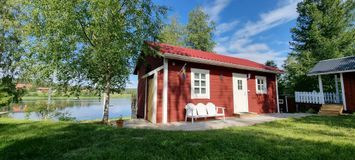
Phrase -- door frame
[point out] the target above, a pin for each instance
(235, 98)
(154, 108)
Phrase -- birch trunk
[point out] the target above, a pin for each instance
(106, 103)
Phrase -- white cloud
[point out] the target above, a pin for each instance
(215, 8)
(241, 43)
(225, 27)
(269, 20)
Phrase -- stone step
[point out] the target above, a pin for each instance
(331, 109)
(245, 114)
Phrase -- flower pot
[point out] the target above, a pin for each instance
(119, 123)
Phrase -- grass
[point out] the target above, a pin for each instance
(312, 137)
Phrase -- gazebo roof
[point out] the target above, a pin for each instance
(333, 66)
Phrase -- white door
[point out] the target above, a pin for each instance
(240, 93)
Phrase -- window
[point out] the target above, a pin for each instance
(261, 87)
(240, 84)
(200, 83)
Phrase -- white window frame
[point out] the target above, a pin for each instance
(265, 85)
(200, 95)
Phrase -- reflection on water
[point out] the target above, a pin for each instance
(84, 109)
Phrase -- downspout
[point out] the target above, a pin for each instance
(277, 95)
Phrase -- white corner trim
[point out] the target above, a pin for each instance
(145, 98)
(165, 92)
(192, 78)
(277, 96)
(343, 90)
(154, 110)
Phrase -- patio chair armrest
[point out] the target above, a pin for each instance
(221, 108)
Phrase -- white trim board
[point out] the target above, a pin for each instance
(277, 97)
(153, 72)
(165, 92)
(155, 96)
(343, 90)
(332, 72)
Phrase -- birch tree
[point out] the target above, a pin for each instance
(92, 42)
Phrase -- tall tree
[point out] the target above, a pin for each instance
(324, 30)
(173, 33)
(270, 63)
(10, 49)
(92, 42)
(200, 31)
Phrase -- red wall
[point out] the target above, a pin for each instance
(151, 64)
(221, 90)
(349, 86)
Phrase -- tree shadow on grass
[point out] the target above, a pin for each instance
(344, 121)
(88, 141)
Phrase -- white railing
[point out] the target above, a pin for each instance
(316, 97)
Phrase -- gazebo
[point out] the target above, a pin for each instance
(344, 68)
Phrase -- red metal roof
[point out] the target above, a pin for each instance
(170, 49)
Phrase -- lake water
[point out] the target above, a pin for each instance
(84, 109)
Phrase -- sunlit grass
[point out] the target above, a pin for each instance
(312, 137)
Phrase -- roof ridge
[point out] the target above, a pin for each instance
(216, 53)
(336, 58)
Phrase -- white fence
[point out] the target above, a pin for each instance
(316, 98)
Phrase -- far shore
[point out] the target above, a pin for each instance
(45, 97)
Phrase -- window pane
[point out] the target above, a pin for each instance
(203, 90)
(203, 83)
(197, 76)
(259, 88)
(203, 76)
(197, 83)
(197, 90)
(258, 81)
(240, 85)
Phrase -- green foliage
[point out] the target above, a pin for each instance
(8, 91)
(311, 110)
(315, 137)
(10, 50)
(173, 33)
(200, 31)
(10, 37)
(270, 63)
(90, 43)
(324, 30)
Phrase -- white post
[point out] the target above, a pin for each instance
(286, 104)
(165, 92)
(321, 88)
(336, 88)
(145, 97)
(343, 90)
(277, 95)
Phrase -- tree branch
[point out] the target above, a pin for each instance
(86, 36)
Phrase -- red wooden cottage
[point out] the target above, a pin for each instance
(177, 76)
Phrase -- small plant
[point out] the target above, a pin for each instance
(311, 110)
(120, 121)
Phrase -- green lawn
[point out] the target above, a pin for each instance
(307, 138)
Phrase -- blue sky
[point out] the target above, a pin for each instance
(258, 30)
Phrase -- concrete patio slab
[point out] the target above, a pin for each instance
(212, 124)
